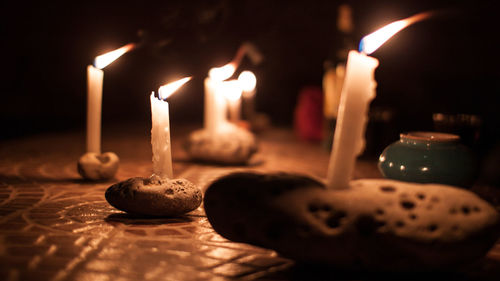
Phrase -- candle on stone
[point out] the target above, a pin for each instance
(248, 82)
(231, 90)
(215, 105)
(160, 131)
(357, 93)
(94, 96)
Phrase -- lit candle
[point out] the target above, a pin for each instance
(215, 104)
(231, 90)
(160, 131)
(248, 82)
(357, 93)
(94, 96)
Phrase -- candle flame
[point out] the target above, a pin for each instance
(167, 90)
(371, 42)
(247, 81)
(104, 60)
(231, 89)
(222, 73)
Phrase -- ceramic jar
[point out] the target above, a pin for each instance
(429, 157)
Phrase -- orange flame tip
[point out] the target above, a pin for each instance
(371, 42)
(104, 60)
(169, 89)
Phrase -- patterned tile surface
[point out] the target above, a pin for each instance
(55, 226)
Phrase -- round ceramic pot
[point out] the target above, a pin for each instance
(429, 157)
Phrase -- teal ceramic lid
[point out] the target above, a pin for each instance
(428, 157)
(426, 137)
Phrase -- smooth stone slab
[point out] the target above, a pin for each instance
(154, 196)
(94, 166)
(233, 146)
(377, 224)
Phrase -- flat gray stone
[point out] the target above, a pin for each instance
(377, 224)
(154, 196)
(234, 146)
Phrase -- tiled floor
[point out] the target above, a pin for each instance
(55, 226)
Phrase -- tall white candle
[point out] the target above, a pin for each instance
(94, 96)
(348, 142)
(357, 92)
(94, 101)
(160, 129)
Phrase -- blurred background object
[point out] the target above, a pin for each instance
(308, 120)
(467, 126)
(448, 64)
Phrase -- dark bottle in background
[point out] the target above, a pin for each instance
(333, 77)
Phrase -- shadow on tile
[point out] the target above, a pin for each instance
(34, 179)
(132, 219)
(485, 270)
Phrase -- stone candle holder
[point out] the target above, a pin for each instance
(94, 166)
(375, 224)
(231, 146)
(154, 196)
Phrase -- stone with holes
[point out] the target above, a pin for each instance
(154, 196)
(94, 166)
(377, 224)
(232, 145)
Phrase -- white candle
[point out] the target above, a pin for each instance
(94, 101)
(234, 107)
(215, 104)
(348, 142)
(231, 90)
(357, 92)
(160, 129)
(94, 96)
(248, 81)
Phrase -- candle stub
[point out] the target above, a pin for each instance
(160, 129)
(160, 138)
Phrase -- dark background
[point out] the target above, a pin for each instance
(447, 64)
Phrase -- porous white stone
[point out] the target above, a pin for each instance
(377, 224)
(231, 146)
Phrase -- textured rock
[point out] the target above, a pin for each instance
(154, 196)
(377, 224)
(95, 166)
(231, 146)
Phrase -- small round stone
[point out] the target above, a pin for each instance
(154, 196)
(93, 166)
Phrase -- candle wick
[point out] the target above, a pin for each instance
(362, 46)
